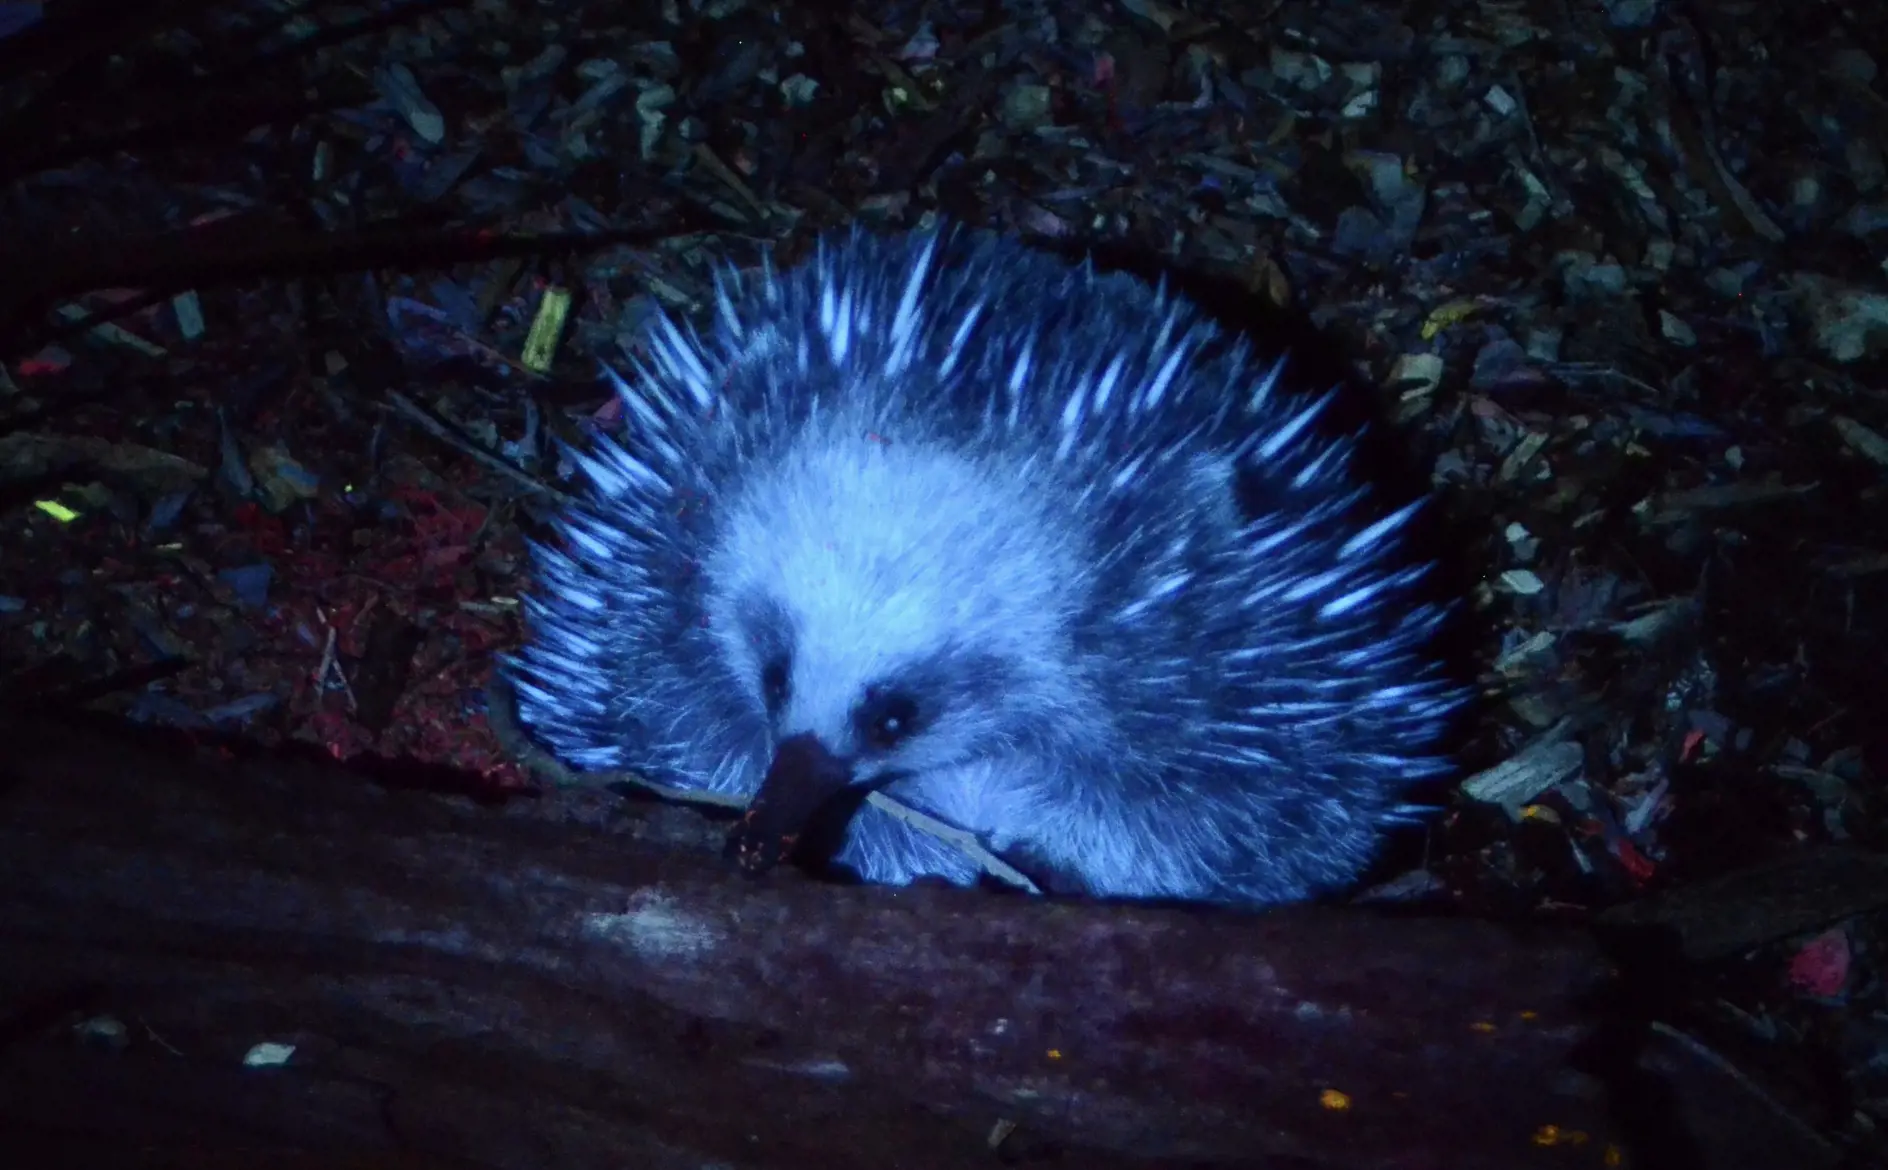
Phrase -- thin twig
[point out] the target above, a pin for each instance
(501, 715)
(1723, 1065)
(445, 433)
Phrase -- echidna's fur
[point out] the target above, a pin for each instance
(1108, 588)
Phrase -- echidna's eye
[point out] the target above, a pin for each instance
(774, 683)
(887, 718)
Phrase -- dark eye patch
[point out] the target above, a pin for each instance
(775, 682)
(893, 711)
(770, 632)
(887, 717)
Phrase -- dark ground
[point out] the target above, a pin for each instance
(1609, 277)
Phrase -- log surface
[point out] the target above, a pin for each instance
(546, 985)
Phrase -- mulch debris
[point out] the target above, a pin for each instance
(300, 297)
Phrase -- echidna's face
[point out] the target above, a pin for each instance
(903, 607)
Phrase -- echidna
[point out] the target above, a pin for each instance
(1034, 549)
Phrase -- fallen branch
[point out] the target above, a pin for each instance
(546, 985)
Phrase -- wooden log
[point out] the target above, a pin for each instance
(545, 985)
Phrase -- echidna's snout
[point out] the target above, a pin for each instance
(803, 775)
(805, 762)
